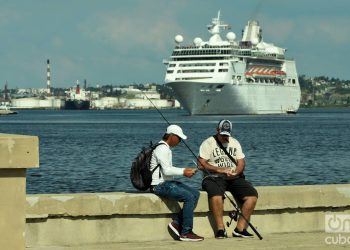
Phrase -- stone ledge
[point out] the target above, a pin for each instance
(104, 218)
(120, 203)
(306, 196)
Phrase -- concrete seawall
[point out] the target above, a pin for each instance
(99, 218)
(17, 153)
(44, 221)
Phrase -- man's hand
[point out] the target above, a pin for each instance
(229, 171)
(189, 172)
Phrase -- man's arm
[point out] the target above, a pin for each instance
(240, 166)
(163, 156)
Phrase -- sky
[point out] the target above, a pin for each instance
(124, 42)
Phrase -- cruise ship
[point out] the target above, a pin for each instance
(231, 77)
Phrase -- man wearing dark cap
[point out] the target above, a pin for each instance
(226, 175)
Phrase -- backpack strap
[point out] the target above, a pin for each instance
(158, 166)
(228, 155)
(224, 149)
(241, 175)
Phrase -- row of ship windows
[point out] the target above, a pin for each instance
(171, 65)
(197, 71)
(249, 80)
(214, 58)
(206, 46)
(202, 52)
(219, 52)
(268, 80)
(192, 78)
(224, 52)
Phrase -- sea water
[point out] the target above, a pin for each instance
(92, 150)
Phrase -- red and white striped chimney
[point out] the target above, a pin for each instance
(48, 77)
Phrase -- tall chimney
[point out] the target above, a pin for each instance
(6, 96)
(48, 78)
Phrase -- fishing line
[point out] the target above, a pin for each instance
(169, 124)
(209, 175)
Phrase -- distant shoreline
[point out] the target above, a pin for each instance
(328, 106)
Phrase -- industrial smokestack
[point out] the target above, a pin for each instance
(84, 83)
(48, 78)
(6, 96)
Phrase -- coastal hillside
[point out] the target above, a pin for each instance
(323, 91)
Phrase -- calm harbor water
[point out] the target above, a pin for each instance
(91, 151)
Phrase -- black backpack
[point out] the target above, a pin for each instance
(141, 174)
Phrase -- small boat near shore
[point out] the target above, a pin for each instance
(291, 111)
(6, 110)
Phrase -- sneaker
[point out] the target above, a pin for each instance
(190, 237)
(242, 234)
(221, 234)
(175, 228)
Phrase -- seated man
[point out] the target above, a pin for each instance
(164, 186)
(226, 175)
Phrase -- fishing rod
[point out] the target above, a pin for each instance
(233, 214)
(195, 156)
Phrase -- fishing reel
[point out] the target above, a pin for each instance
(233, 216)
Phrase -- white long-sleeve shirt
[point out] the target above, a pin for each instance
(162, 155)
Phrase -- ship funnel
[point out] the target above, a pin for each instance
(252, 33)
(77, 89)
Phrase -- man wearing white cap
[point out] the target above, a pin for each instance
(164, 186)
(226, 175)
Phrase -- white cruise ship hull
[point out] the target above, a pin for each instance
(200, 98)
(229, 77)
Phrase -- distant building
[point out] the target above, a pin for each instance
(37, 103)
(105, 103)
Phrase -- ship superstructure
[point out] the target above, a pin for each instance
(220, 76)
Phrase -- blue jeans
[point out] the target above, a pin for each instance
(175, 190)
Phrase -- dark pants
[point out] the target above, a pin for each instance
(239, 187)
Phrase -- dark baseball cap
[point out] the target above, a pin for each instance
(225, 127)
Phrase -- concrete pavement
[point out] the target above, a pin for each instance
(290, 241)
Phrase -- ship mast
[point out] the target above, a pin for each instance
(215, 27)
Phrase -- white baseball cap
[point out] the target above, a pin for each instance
(176, 130)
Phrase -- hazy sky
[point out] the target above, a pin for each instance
(121, 42)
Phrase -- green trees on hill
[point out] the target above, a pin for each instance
(323, 91)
